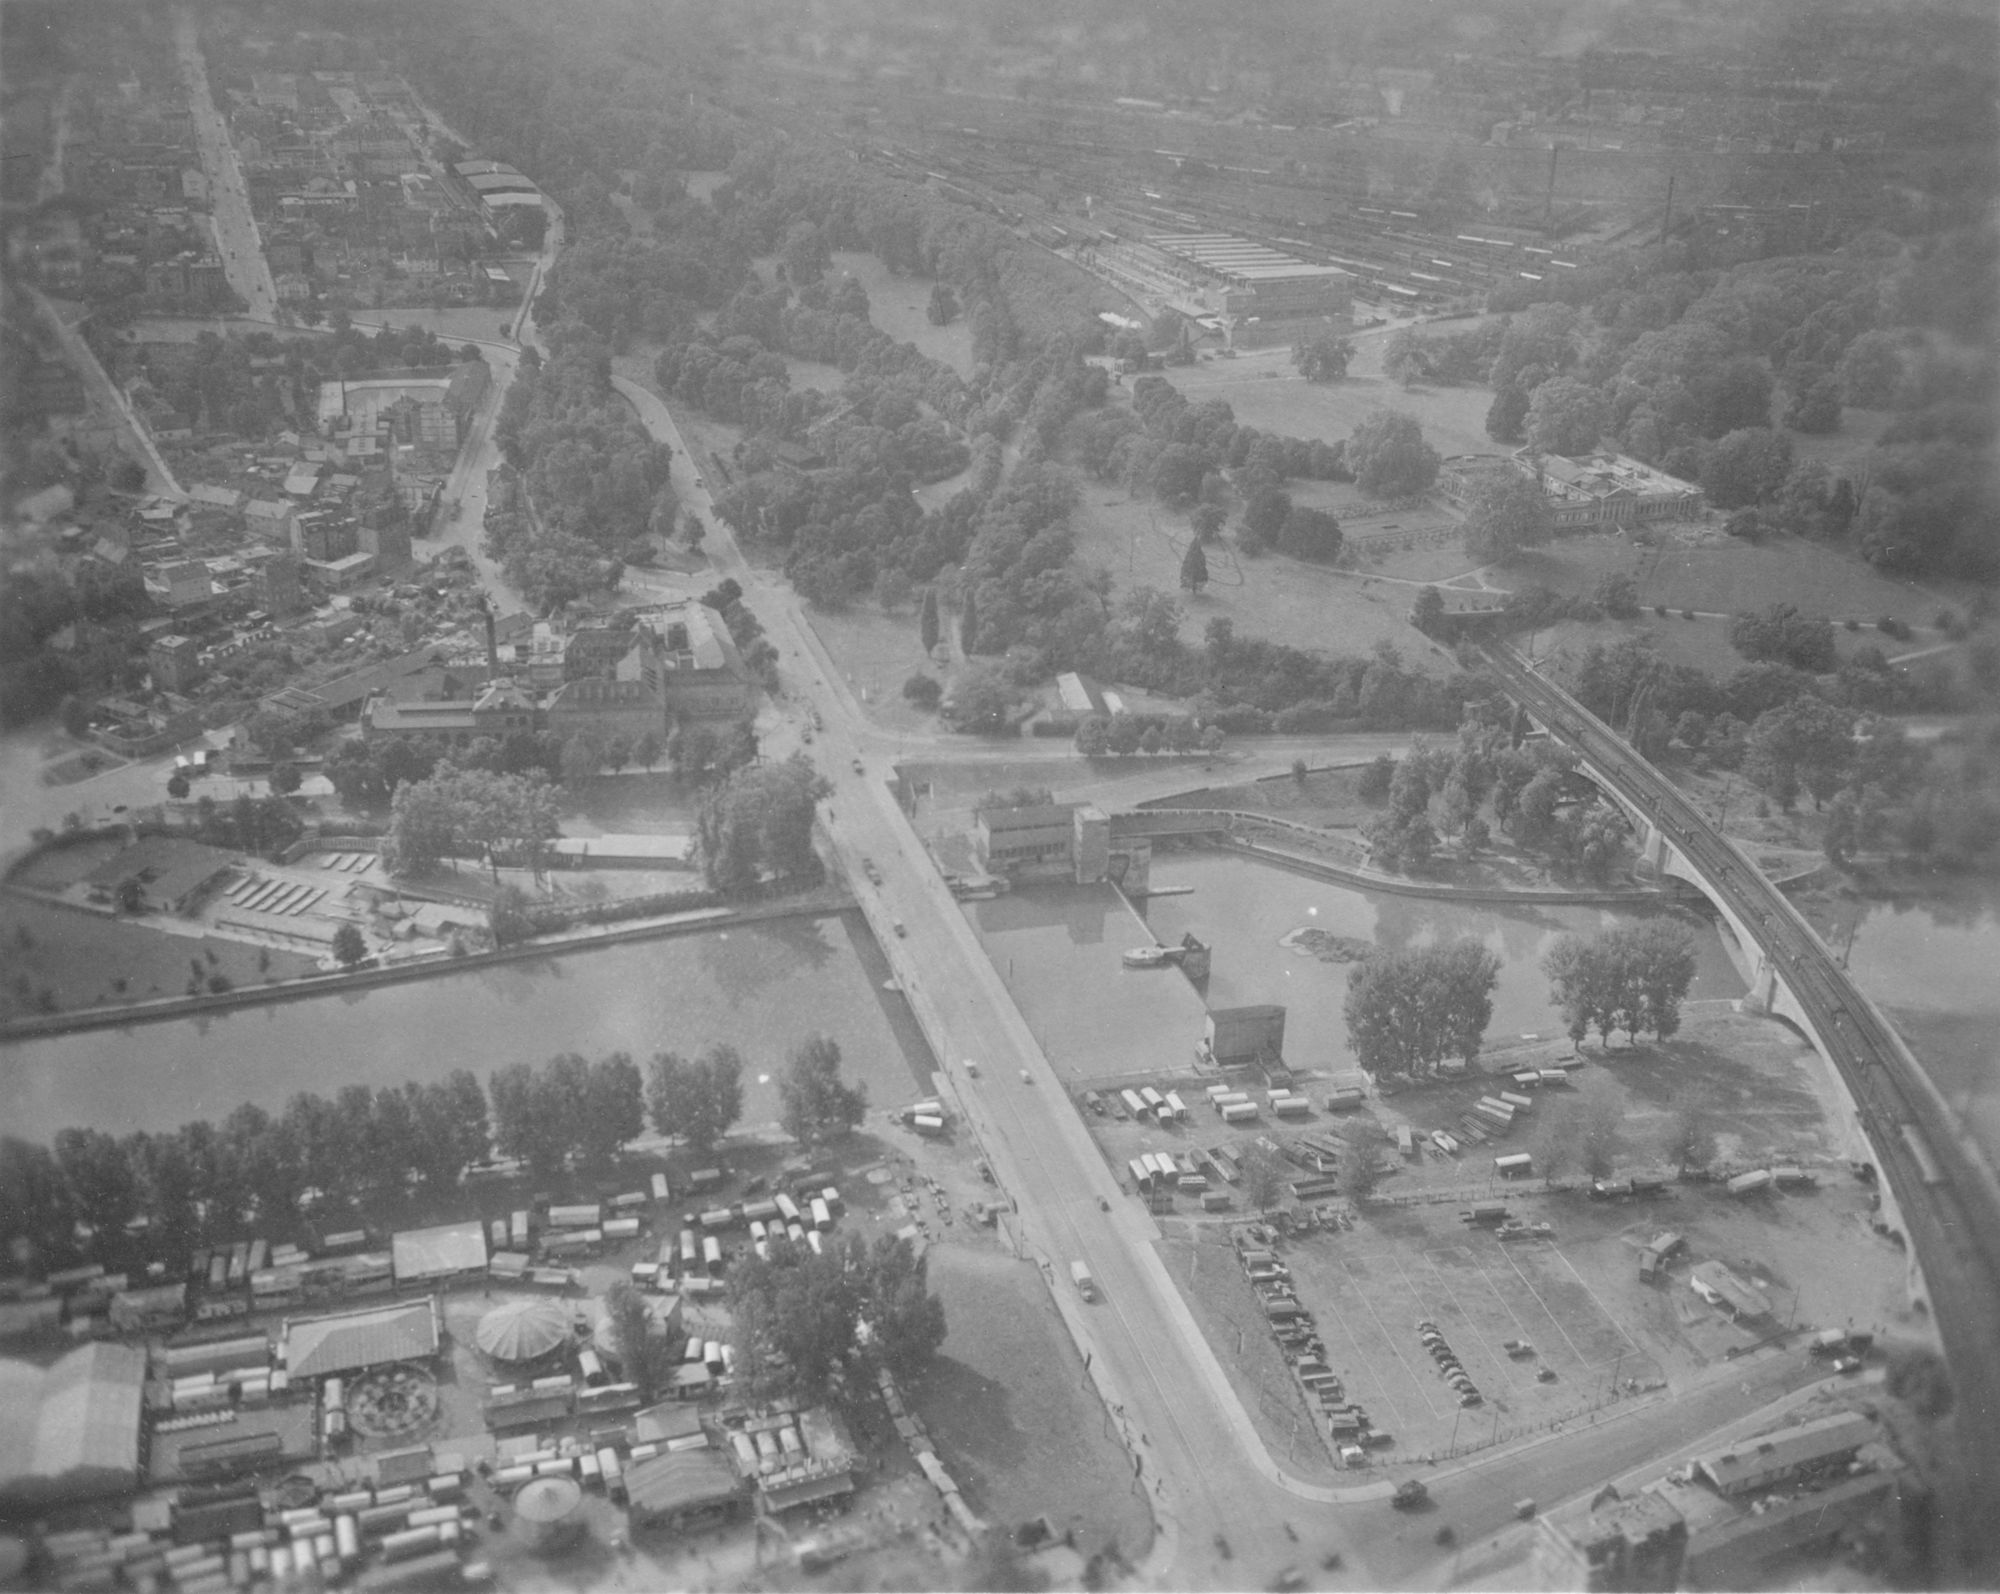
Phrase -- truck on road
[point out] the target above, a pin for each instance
(1086, 1286)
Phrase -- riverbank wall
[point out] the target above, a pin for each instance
(815, 904)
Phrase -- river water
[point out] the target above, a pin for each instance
(1933, 965)
(760, 987)
(1059, 948)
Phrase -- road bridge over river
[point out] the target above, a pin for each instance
(1937, 1186)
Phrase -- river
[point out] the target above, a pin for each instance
(1059, 948)
(1932, 963)
(760, 987)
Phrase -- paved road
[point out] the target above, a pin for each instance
(109, 398)
(236, 236)
(1942, 1185)
(1197, 1453)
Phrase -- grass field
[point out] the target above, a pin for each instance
(1011, 1408)
(878, 652)
(1729, 577)
(898, 304)
(1267, 393)
(1274, 596)
(80, 957)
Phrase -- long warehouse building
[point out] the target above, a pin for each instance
(1258, 281)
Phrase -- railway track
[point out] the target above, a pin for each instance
(1945, 1193)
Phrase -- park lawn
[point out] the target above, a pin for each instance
(1840, 451)
(900, 305)
(1728, 577)
(1013, 1410)
(877, 653)
(1701, 643)
(1272, 596)
(1439, 563)
(829, 379)
(1265, 392)
(1329, 798)
(78, 956)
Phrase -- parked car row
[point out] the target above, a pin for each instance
(1448, 1363)
(1300, 1344)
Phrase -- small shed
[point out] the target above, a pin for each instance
(1238, 1037)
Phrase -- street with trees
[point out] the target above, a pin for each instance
(207, 1180)
(567, 1110)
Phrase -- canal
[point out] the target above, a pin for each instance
(760, 987)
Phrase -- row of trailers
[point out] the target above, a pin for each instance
(1199, 1173)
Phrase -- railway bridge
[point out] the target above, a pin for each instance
(1938, 1189)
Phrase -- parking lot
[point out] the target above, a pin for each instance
(1480, 1292)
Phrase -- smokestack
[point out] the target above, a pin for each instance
(492, 642)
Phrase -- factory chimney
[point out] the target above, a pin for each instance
(492, 644)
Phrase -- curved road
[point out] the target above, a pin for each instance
(1941, 1184)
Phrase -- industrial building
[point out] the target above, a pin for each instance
(1713, 1525)
(1020, 839)
(1248, 279)
(672, 663)
(1786, 1455)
